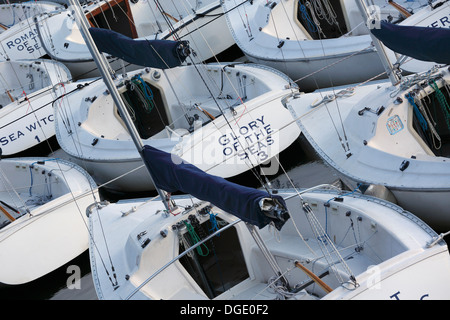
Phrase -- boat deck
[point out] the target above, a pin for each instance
(13, 205)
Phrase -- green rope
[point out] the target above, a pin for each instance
(442, 101)
(195, 238)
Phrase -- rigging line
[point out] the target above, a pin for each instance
(251, 165)
(442, 101)
(8, 183)
(240, 16)
(316, 223)
(271, 284)
(45, 29)
(59, 205)
(249, 162)
(41, 128)
(34, 111)
(196, 67)
(73, 197)
(111, 8)
(6, 86)
(30, 98)
(431, 122)
(214, 57)
(69, 116)
(169, 26)
(168, 22)
(94, 20)
(79, 150)
(103, 13)
(176, 96)
(337, 105)
(155, 19)
(65, 117)
(277, 35)
(345, 140)
(108, 253)
(301, 200)
(334, 63)
(269, 135)
(323, 240)
(198, 28)
(213, 97)
(298, 41)
(252, 168)
(179, 256)
(196, 16)
(186, 9)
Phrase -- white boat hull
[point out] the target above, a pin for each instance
(53, 233)
(333, 70)
(271, 34)
(376, 143)
(55, 34)
(398, 240)
(252, 132)
(429, 204)
(29, 89)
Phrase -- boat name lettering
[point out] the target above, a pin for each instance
(443, 22)
(11, 137)
(26, 41)
(256, 133)
(396, 296)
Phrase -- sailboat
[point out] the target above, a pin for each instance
(160, 248)
(434, 16)
(55, 34)
(318, 43)
(391, 133)
(43, 223)
(28, 89)
(193, 111)
(335, 245)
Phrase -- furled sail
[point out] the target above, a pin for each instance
(161, 54)
(421, 43)
(171, 173)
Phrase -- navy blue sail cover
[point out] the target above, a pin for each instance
(161, 54)
(421, 43)
(171, 173)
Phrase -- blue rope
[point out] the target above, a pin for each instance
(213, 220)
(146, 90)
(422, 121)
(305, 16)
(146, 87)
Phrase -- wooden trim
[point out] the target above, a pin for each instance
(315, 278)
(6, 213)
(107, 6)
